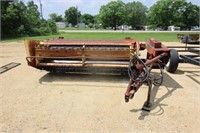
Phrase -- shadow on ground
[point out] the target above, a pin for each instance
(171, 85)
(73, 77)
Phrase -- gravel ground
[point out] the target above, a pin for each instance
(34, 101)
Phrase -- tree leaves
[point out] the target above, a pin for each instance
(169, 12)
(136, 14)
(87, 19)
(55, 17)
(112, 14)
(18, 19)
(72, 15)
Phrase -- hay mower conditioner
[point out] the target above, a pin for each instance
(104, 56)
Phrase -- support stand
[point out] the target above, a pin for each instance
(147, 105)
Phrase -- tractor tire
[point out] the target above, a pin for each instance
(173, 62)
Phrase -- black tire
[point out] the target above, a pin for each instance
(172, 64)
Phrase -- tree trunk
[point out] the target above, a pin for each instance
(115, 28)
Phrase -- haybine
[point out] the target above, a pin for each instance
(105, 56)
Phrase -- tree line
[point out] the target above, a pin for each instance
(19, 19)
(162, 14)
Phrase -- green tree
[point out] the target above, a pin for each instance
(136, 14)
(32, 21)
(18, 19)
(112, 14)
(87, 19)
(52, 26)
(9, 18)
(97, 21)
(47, 27)
(160, 14)
(169, 12)
(55, 17)
(72, 15)
(191, 16)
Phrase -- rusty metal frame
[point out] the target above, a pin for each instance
(139, 71)
(193, 59)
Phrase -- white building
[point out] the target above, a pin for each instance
(123, 27)
(81, 25)
(60, 24)
(173, 28)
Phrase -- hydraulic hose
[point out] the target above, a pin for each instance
(135, 74)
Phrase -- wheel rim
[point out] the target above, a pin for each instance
(167, 65)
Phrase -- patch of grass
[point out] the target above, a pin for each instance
(75, 28)
(141, 36)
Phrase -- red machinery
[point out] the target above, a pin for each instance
(105, 56)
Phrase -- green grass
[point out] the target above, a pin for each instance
(141, 36)
(74, 28)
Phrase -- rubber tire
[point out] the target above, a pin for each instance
(173, 62)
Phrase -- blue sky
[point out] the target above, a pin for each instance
(85, 6)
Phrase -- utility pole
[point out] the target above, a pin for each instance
(77, 17)
(41, 9)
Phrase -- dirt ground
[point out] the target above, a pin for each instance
(34, 101)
